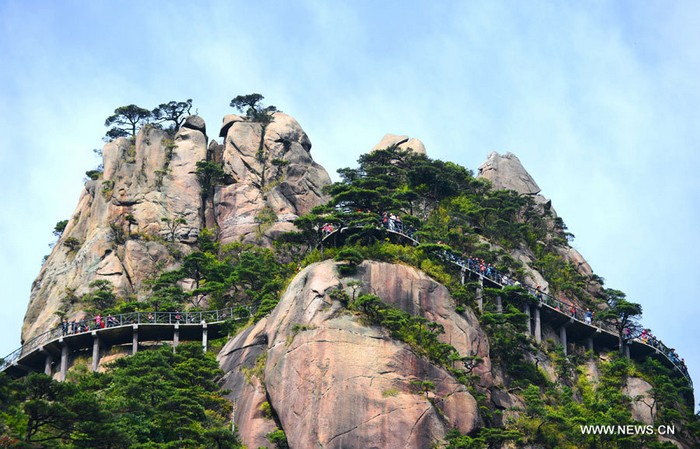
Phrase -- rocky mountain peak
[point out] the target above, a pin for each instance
(507, 172)
(275, 179)
(403, 142)
(148, 206)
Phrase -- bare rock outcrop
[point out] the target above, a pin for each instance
(335, 382)
(506, 172)
(642, 405)
(274, 179)
(116, 232)
(403, 142)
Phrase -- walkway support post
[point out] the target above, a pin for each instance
(526, 311)
(204, 336)
(562, 338)
(48, 361)
(176, 336)
(499, 304)
(626, 349)
(95, 350)
(480, 294)
(538, 324)
(589, 343)
(134, 338)
(64, 361)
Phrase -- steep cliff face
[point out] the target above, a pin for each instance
(148, 207)
(116, 233)
(275, 180)
(334, 381)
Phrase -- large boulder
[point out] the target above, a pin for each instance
(402, 142)
(335, 382)
(273, 179)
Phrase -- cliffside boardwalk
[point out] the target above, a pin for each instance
(568, 319)
(42, 352)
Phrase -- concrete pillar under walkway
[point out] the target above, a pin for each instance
(480, 294)
(204, 336)
(135, 339)
(589, 343)
(95, 350)
(526, 311)
(499, 304)
(48, 361)
(64, 361)
(538, 324)
(562, 338)
(176, 336)
(626, 348)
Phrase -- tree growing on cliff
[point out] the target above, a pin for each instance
(622, 315)
(101, 296)
(173, 111)
(60, 227)
(126, 120)
(252, 107)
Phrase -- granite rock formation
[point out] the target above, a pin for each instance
(274, 179)
(403, 142)
(116, 232)
(335, 382)
(148, 206)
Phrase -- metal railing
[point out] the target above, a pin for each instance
(125, 319)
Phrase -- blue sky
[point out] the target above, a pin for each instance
(599, 100)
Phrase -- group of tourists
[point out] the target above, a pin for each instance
(648, 338)
(100, 322)
(85, 325)
(386, 220)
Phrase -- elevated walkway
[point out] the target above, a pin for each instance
(50, 352)
(570, 321)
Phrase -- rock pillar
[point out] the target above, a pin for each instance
(538, 325)
(95, 350)
(135, 339)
